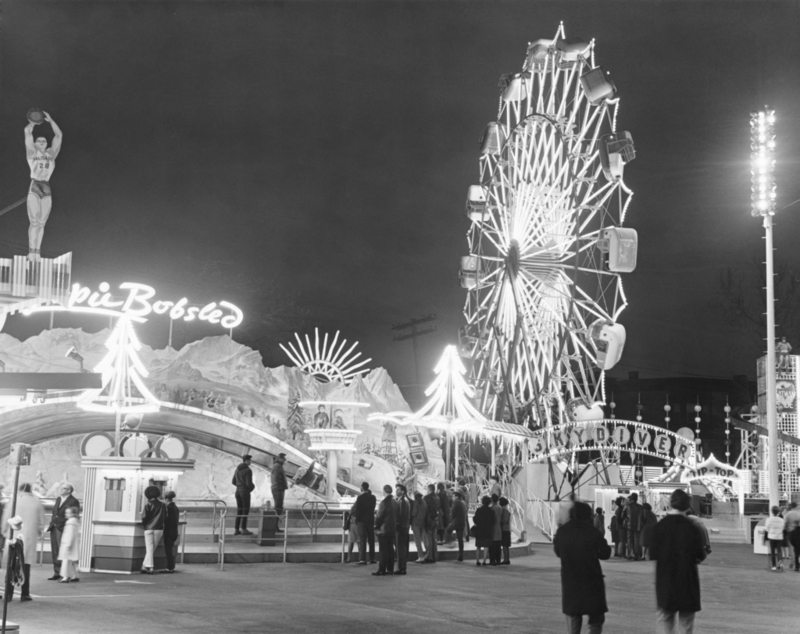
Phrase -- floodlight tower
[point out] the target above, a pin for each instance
(762, 161)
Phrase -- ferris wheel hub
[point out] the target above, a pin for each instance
(512, 260)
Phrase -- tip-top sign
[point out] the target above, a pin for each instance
(139, 302)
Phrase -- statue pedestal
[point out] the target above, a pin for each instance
(112, 538)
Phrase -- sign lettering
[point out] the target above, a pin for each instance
(140, 302)
(634, 437)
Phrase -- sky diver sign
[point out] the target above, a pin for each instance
(610, 435)
(138, 301)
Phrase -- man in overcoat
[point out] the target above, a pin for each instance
(677, 547)
(458, 521)
(365, 518)
(403, 525)
(57, 523)
(386, 529)
(581, 547)
(278, 482)
(434, 517)
(243, 481)
(632, 520)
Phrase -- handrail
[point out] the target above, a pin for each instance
(221, 547)
(314, 524)
(285, 531)
(183, 537)
(216, 502)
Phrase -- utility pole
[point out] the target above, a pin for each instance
(415, 334)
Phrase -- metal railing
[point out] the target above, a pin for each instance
(542, 516)
(313, 513)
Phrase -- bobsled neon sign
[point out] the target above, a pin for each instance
(140, 302)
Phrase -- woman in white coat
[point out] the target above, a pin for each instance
(30, 509)
(68, 552)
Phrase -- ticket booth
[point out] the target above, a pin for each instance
(112, 533)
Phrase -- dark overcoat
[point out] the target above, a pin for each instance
(365, 508)
(581, 547)
(484, 523)
(677, 546)
(458, 515)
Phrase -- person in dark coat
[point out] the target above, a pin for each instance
(483, 521)
(386, 529)
(649, 520)
(495, 550)
(458, 520)
(154, 514)
(623, 532)
(403, 526)
(444, 512)
(419, 525)
(677, 548)
(278, 482)
(600, 521)
(632, 520)
(243, 481)
(171, 528)
(57, 523)
(614, 527)
(434, 518)
(365, 518)
(581, 547)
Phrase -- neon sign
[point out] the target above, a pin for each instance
(610, 434)
(140, 302)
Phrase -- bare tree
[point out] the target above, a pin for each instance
(744, 298)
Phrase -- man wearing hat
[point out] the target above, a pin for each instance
(243, 481)
(57, 523)
(279, 484)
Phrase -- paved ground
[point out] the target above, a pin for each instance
(740, 595)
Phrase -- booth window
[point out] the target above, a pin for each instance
(161, 484)
(114, 491)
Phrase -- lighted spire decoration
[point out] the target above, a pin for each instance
(122, 371)
(449, 405)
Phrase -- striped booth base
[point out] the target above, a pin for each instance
(118, 547)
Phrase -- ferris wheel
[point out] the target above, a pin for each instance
(546, 242)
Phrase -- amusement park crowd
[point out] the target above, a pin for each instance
(675, 543)
(439, 517)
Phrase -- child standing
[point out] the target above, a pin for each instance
(68, 551)
(774, 528)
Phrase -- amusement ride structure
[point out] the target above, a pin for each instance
(546, 243)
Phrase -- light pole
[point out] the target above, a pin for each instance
(763, 195)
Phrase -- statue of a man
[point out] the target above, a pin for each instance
(783, 348)
(42, 161)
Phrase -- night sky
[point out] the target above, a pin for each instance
(324, 151)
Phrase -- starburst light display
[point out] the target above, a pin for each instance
(326, 362)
